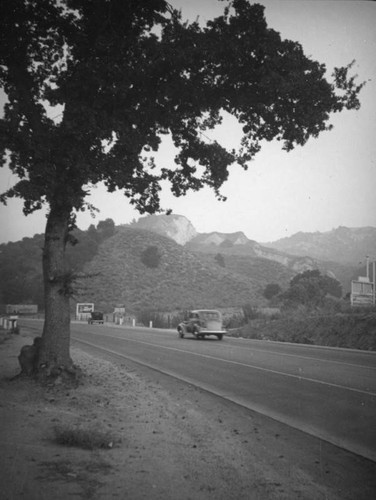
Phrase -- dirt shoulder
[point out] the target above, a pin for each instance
(172, 441)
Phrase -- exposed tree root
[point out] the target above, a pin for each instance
(49, 372)
(54, 374)
(28, 358)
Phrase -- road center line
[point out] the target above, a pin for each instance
(279, 353)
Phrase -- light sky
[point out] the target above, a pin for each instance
(330, 182)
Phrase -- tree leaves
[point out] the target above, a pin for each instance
(311, 287)
(127, 73)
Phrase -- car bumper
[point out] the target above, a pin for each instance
(203, 331)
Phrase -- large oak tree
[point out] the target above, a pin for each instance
(118, 75)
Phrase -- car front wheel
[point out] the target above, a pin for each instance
(181, 334)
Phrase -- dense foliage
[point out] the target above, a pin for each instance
(310, 289)
(351, 329)
(116, 83)
(21, 279)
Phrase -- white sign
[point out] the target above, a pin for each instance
(85, 308)
(362, 293)
(21, 309)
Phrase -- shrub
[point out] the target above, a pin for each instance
(158, 319)
(220, 260)
(271, 290)
(86, 438)
(351, 330)
(151, 257)
(310, 288)
(235, 321)
(250, 312)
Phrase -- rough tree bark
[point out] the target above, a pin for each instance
(54, 355)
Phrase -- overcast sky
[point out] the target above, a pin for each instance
(330, 182)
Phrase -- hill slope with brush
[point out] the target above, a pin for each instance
(144, 270)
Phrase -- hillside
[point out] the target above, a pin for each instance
(257, 270)
(337, 253)
(194, 269)
(21, 280)
(344, 245)
(144, 270)
(180, 229)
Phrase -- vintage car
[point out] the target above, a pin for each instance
(96, 317)
(202, 322)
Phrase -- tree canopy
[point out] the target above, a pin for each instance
(121, 74)
(311, 287)
(93, 85)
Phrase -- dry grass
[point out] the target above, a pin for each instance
(87, 438)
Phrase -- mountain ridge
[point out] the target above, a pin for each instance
(236, 243)
(339, 253)
(343, 245)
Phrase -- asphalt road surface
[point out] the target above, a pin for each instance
(327, 392)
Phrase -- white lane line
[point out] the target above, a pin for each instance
(238, 363)
(278, 353)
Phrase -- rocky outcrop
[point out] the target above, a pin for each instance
(297, 264)
(176, 227)
(220, 239)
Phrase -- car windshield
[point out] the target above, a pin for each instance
(193, 316)
(210, 315)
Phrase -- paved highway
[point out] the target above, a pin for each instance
(327, 392)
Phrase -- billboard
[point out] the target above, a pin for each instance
(362, 292)
(83, 310)
(85, 307)
(21, 309)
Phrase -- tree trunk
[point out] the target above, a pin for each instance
(54, 354)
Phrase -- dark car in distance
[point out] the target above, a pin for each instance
(96, 317)
(201, 323)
